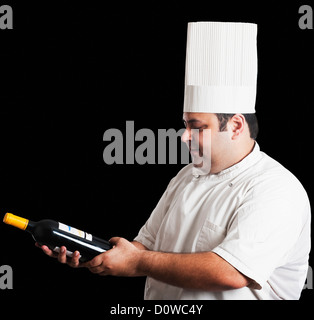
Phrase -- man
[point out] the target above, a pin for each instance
(234, 224)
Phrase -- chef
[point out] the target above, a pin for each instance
(233, 224)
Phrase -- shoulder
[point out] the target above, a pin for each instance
(269, 171)
(271, 184)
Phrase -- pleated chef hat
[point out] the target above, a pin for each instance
(221, 67)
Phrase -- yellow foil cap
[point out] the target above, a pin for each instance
(15, 221)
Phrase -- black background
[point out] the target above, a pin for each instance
(69, 71)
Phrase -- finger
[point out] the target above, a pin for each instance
(95, 262)
(46, 250)
(97, 269)
(114, 240)
(74, 262)
(62, 257)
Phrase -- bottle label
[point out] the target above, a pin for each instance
(75, 231)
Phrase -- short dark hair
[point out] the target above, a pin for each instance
(250, 118)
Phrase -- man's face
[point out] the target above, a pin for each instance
(204, 140)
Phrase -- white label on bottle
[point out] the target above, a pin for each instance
(75, 231)
(68, 252)
(88, 236)
(71, 230)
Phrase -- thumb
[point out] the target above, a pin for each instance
(114, 241)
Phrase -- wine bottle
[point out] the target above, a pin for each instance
(55, 234)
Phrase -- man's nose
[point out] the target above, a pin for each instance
(186, 136)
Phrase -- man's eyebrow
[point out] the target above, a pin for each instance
(191, 121)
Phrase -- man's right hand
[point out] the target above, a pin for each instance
(61, 256)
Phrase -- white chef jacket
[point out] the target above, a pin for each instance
(255, 215)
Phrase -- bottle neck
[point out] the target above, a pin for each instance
(30, 226)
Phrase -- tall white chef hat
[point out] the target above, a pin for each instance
(221, 67)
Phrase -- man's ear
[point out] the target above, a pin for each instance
(237, 124)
